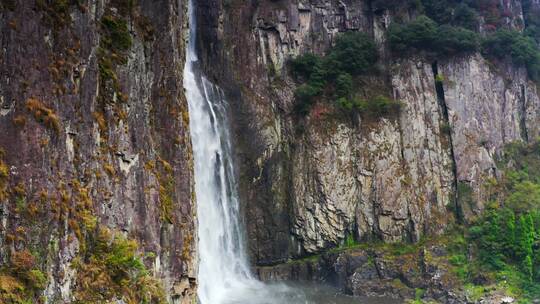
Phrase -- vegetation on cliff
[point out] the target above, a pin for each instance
(111, 268)
(425, 34)
(522, 50)
(333, 77)
(450, 28)
(500, 249)
(52, 231)
(443, 28)
(21, 280)
(507, 235)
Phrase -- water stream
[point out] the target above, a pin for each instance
(224, 275)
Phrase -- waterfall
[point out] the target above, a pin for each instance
(223, 266)
(224, 275)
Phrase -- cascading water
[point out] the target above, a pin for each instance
(224, 276)
(223, 268)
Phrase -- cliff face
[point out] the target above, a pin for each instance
(309, 183)
(94, 136)
(95, 154)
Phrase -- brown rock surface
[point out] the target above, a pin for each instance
(87, 112)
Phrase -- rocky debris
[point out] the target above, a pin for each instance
(378, 271)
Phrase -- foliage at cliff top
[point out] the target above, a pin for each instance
(332, 77)
(532, 20)
(424, 34)
(459, 13)
(449, 27)
(521, 49)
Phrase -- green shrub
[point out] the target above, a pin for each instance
(454, 36)
(113, 269)
(465, 16)
(21, 281)
(524, 50)
(503, 238)
(500, 43)
(439, 79)
(533, 31)
(506, 236)
(346, 104)
(456, 13)
(305, 95)
(375, 107)
(354, 53)
(381, 105)
(419, 34)
(344, 85)
(454, 40)
(521, 49)
(460, 263)
(419, 293)
(306, 92)
(332, 75)
(350, 242)
(532, 20)
(37, 279)
(525, 196)
(117, 36)
(424, 34)
(438, 10)
(304, 65)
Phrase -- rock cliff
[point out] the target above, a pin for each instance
(95, 142)
(310, 183)
(96, 185)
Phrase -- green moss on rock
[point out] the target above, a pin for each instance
(111, 269)
(21, 280)
(117, 36)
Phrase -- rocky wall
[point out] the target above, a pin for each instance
(94, 131)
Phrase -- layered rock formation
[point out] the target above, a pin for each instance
(309, 183)
(94, 133)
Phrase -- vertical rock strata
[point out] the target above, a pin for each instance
(94, 133)
(309, 185)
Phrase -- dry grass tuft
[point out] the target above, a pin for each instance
(43, 114)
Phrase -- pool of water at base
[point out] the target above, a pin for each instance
(297, 293)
